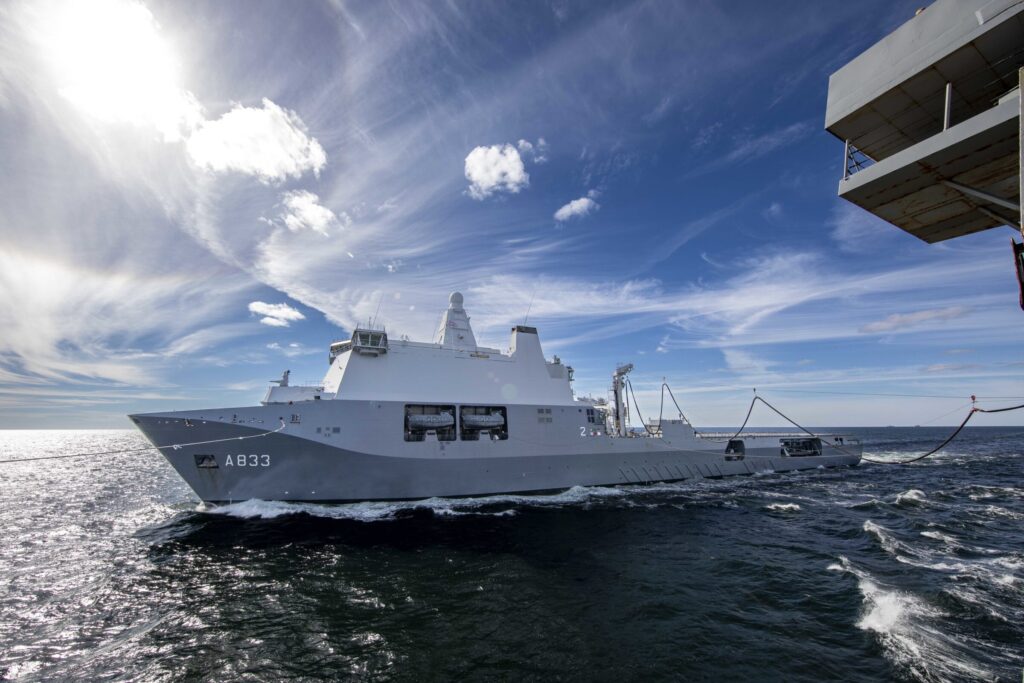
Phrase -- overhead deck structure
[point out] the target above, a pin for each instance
(930, 117)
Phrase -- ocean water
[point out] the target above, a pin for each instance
(110, 570)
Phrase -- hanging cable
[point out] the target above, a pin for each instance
(148, 448)
(951, 436)
(747, 418)
(636, 406)
(865, 393)
(665, 387)
(947, 414)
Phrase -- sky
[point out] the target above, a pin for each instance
(197, 196)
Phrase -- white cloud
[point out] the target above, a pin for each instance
(899, 321)
(270, 143)
(537, 153)
(577, 208)
(304, 212)
(497, 168)
(275, 315)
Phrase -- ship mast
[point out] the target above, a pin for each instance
(618, 384)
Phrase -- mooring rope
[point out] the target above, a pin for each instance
(174, 446)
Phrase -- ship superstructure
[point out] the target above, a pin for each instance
(398, 419)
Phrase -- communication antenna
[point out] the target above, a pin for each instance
(373, 321)
(533, 296)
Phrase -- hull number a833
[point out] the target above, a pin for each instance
(248, 460)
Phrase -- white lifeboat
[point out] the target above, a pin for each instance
(483, 421)
(438, 421)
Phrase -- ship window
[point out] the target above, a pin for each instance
(423, 420)
(317, 430)
(336, 430)
(483, 422)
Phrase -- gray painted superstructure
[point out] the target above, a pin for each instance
(340, 445)
(930, 120)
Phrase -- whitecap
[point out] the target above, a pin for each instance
(885, 539)
(911, 497)
(911, 631)
(783, 507)
(996, 511)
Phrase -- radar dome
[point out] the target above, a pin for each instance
(455, 299)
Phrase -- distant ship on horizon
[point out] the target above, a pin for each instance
(404, 420)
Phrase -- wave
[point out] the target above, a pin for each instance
(445, 507)
(718, 492)
(911, 631)
(911, 497)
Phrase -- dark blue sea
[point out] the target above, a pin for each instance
(110, 570)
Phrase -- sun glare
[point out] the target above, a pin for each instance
(110, 61)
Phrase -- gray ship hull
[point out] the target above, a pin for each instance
(321, 456)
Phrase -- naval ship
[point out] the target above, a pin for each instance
(404, 420)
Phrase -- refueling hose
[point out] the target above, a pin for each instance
(174, 446)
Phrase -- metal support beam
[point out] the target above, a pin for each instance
(983, 196)
(846, 160)
(997, 217)
(949, 106)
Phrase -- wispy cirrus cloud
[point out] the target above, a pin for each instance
(292, 349)
(900, 321)
(858, 232)
(394, 101)
(750, 148)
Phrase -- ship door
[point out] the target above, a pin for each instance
(735, 447)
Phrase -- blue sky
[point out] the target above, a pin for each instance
(197, 196)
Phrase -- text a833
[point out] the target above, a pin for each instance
(248, 460)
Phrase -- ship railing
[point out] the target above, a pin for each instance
(855, 160)
(726, 436)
